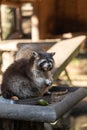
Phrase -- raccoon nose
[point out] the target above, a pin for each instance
(50, 66)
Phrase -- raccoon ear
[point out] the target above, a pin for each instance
(35, 54)
(53, 53)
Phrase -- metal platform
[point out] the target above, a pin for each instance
(22, 110)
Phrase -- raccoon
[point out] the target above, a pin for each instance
(28, 77)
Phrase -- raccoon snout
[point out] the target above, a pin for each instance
(47, 67)
(48, 82)
(50, 66)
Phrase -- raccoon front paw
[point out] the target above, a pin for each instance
(48, 82)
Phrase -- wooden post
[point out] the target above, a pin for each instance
(6, 124)
(18, 20)
(0, 23)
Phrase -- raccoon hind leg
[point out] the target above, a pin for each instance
(9, 95)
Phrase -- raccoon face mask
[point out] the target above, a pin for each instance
(45, 61)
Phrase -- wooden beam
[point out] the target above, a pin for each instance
(11, 4)
(15, 3)
(65, 51)
(13, 45)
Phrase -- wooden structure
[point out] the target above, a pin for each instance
(17, 3)
(62, 16)
(65, 51)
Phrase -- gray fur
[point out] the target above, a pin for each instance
(24, 78)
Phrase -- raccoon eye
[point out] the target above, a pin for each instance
(51, 61)
(41, 62)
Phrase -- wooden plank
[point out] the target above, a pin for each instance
(14, 3)
(65, 51)
(13, 45)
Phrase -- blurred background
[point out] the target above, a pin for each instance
(49, 19)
